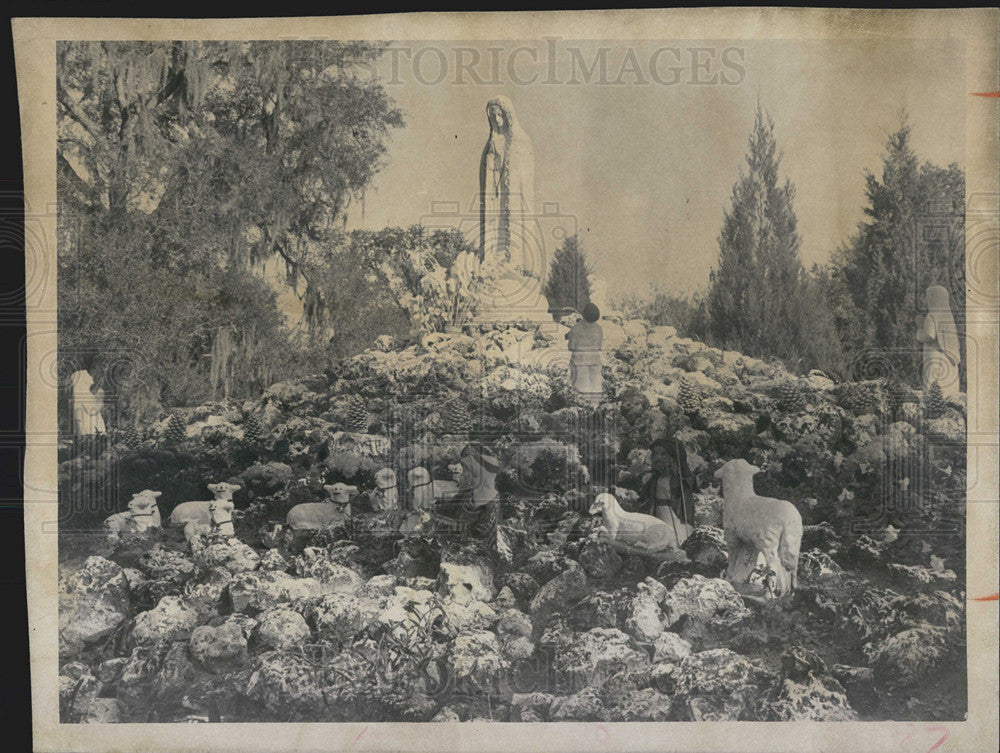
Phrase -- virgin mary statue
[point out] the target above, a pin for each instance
(507, 192)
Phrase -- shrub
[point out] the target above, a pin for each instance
(567, 285)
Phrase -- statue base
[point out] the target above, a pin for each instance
(514, 297)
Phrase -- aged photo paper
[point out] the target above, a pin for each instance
(580, 381)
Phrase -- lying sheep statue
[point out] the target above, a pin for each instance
(752, 525)
(142, 514)
(219, 526)
(314, 516)
(636, 529)
(207, 517)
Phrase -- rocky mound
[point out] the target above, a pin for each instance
(539, 619)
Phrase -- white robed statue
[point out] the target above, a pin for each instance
(939, 336)
(87, 405)
(507, 228)
(507, 187)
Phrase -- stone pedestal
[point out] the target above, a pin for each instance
(514, 297)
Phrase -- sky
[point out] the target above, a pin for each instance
(644, 168)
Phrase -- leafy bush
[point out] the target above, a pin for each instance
(436, 277)
(686, 312)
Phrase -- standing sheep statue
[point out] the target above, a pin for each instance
(752, 525)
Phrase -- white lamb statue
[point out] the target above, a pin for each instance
(213, 516)
(752, 525)
(141, 515)
(637, 529)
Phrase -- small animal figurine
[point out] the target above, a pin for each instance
(341, 493)
(752, 525)
(142, 514)
(198, 512)
(315, 516)
(636, 529)
(423, 490)
(221, 511)
(385, 496)
(220, 524)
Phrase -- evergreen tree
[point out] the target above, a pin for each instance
(913, 237)
(129, 436)
(934, 403)
(790, 396)
(759, 278)
(358, 418)
(456, 416)
(689, 395)
(567, 285)
(253, 432)
(175, 431)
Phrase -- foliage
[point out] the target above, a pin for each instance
(761, 301)
(819, 345)
(686, 312)
(689, 395)
(266, 141)
(455, 416)
(567, 285)
(146, 329)
(759, 272)
(791, 397)
(129, 436)
(878, 283)
(253, 432)
(357, 303)
(934, 404)
(860, 398)
(358, 417)
(395, 668)
(181, 167)
(436, 277)
(174, 433)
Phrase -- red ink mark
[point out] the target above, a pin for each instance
(360, 735)
(985, 94)
(601, 733)
(991, 597)
(913, 731)
(941, 739)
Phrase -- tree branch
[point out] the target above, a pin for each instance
(71, 173)
(170, 87)
(76, 112)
